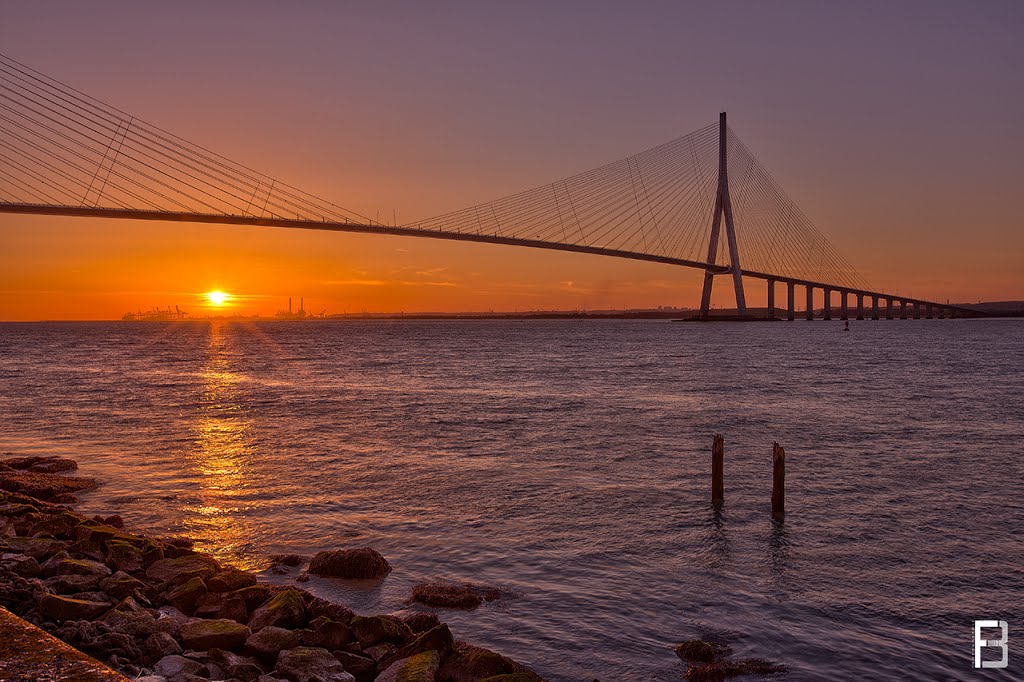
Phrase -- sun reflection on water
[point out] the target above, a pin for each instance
(221, 457)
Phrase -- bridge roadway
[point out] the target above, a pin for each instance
(930, 307)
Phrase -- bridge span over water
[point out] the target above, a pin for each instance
(63, 153)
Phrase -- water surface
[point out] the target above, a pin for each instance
(569, 462)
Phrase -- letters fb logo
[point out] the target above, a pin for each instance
(981, 643)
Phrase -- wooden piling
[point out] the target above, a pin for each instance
(778, 482)
(718, 471)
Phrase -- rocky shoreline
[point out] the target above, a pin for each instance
(156, 610)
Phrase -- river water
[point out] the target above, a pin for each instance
(568, 462)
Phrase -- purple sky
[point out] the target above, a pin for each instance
(895, 126)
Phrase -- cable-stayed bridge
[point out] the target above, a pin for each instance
(701, 201)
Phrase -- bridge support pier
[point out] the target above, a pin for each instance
(874, 307)
(826, 310)
(942, 313)
(928, 312)
(917, 311)
(888, 309)
(790, 295)
(860, 306)
(718, 471)
(903, 310)
(723, 212)
(771, 299)
(843, 310)
(778, 482)
(810, 302)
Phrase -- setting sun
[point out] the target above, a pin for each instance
(217, 298)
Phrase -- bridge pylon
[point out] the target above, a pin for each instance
(723, 209)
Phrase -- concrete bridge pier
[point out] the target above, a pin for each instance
(826, 310)
(928, 312)
(888, 309)
(790, 294)
(917, 311)
(860, 306)
(844, 312)
(903, 310)
(771, 299)
(810, 302)
(942, 313)
(874, 307)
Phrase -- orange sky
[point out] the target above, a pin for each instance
(906, 155)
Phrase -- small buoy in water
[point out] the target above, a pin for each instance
(846, 328)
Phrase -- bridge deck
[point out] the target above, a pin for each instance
(375, 228)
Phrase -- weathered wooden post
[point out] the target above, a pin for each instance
(718, 471)
(778, 482)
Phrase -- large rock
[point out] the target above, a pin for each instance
(214, 634)
(22, 564)
(468, 663)
(234, 609)
(175, 667)
(235, 666)
(453, 595)
(437, 639)
(364, 562)
(253, 596)
(82, 567)
(61, 608)
(44, 486)
(72, 584)
(122, 556)
(185, 597)
(159, 645)
(310, 664)
(364, 668)
(229, 580)
(419, 668)
(285, 610)
(420, 621)
(182, 569)
(371, 630)
(40, 549)
(121, 585)
(48, 568)
(41, 464)
(270, 641)
(326, 633)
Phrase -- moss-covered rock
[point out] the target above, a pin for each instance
(371, 630)
(122, 556)
(421, 667)
(468, 663)
(185, 597)
(215, 633)
(121, 585)
(181, 569)
(253, 597)
(230, 579)
(284, 610)
(82, 567)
